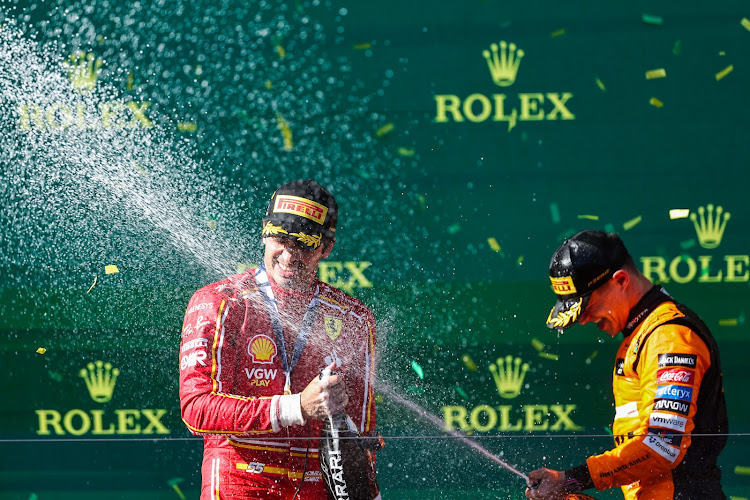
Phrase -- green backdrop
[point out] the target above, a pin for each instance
(463, 140)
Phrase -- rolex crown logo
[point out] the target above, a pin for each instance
(503, 65)
(709, 226)
(100, 379)
(83, 71)
(509, 374)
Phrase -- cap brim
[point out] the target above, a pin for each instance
(567, 311)
(294, 231)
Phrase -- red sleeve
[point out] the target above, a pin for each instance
(208, 400)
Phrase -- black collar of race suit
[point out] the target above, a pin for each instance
(650, 301)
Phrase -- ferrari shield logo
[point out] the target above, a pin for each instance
(333, 327)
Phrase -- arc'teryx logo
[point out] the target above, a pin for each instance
(100, 380)
(509, 374)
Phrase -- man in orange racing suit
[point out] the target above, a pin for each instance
(253, 346)
(670, 415)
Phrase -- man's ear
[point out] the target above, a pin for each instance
(622, 278)
(328, 248)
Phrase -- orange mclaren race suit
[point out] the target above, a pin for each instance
(670, 415)
(240, 338)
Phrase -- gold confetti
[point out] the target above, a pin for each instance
(41, 350)
(600, 84)
(280, 50)
(112, 269)
(405, 151)
(385, 129)
(728, 322)
(187, 126)
(632, 223)
(131, 81)
(656, 73)
(655, 102)
(198, 70)
(679, 213)
(591, 357)
(269, 85)
(92, 284)
(519, 260)
(494, 245)
(589, 217)
(362, 46)
(724, 72)
(742, 470)
(286, 132)
(468, 362)
(537, 344)
(547, 355)
(557, 33)
(746, 23)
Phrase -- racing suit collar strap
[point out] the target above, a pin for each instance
(650, 301)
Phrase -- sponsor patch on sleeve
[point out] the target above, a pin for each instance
(677, 359)
(672, 391)
(620, 367)
(675, 375)
(667, 421)
(672, 405)
(669, 437)
(660, 446)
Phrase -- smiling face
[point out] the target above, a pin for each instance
(291, 265)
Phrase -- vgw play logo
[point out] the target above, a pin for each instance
(503, 62)
(709, 222)
(100, 379)
(83, 71)
(509, 374)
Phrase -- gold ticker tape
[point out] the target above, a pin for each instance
(537, 344)
(632, 223)
(589, 217)
(187, 126)
(547, 355)
(656, 73)
(385, 129)
(724, 72)
(742, 470)
(405, 151)
(362, 46)
(111, 269)
(655, 102)
(557, 33)
(494, 245)
(41, 350)
(591, 357)
(468, 362)
(286, 132)
(728, 322)
(746, 23)
(92, 284)
(600, 84)
(679, 213)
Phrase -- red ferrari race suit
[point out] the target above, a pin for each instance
(667, 386)
(232, 381)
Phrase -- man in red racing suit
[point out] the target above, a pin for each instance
(253, 346)
(670, 419)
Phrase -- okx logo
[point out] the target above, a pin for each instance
(503, 62)
(508, 374)
(710, 223)
(100, 379)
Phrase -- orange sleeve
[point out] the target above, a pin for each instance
(670, 368)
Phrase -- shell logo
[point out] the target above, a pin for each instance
(262, 349)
